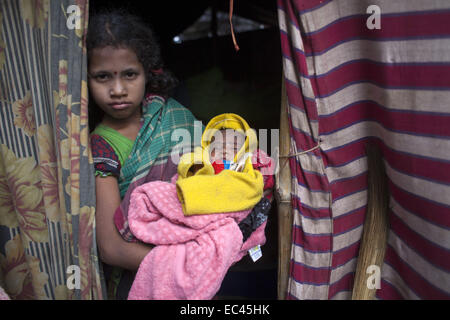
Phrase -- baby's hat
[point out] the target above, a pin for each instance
(235, 122)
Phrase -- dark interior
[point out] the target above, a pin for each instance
(214, 78)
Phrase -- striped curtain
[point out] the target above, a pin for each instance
(349, 83)
(47, 201)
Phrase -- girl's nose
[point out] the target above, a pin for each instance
(118, 88)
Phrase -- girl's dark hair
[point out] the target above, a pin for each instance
(121, 29)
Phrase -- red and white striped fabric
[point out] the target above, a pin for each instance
(347, 85)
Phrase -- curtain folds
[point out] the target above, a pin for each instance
(349, 84)
(47, 199)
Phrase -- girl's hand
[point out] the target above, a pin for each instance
(113, 249)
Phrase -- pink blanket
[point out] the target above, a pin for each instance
(3, 294)
(192, 254)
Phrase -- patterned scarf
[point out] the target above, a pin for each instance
(153, 145)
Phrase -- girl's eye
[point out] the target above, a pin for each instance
(130, 75)
(102, 77)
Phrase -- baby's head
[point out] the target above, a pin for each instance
(225, 144)
(228, 138)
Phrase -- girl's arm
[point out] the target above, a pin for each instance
(113, 249)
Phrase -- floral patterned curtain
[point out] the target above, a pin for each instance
(47, 198)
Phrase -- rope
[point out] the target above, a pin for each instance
(278, 169)
(300, 153)
(236, 47)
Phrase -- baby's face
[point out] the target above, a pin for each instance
(225, 144)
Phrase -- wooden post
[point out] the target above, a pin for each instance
(283, 196)
(376, 227)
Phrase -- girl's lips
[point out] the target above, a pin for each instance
(120, 106)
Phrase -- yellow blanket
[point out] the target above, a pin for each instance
(203, 191)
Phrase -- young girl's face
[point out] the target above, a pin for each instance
(117, 82)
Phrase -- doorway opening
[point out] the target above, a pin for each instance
(215, 78)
